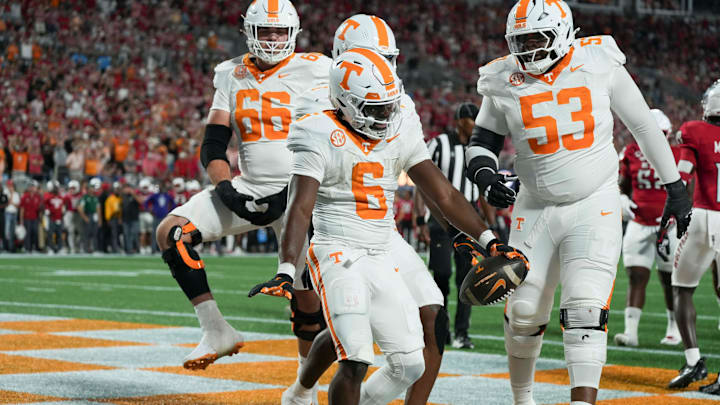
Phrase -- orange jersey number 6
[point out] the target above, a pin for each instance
(261, 122)
(569, 141)
(362, 192)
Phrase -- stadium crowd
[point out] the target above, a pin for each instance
(118, 90)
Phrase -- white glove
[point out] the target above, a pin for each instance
(627, 206)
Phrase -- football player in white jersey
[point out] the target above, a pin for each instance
(372, 32)
(553, 95)
(255, 96)
(345, 166)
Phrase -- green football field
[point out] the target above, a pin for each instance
(140, 289)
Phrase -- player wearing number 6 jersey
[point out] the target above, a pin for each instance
(255, 96)
(345, 166)
(553, 96)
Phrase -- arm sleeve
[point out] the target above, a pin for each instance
(628, 103)
(308, 163)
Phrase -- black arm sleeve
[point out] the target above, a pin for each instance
(215, 143)
(487, 139)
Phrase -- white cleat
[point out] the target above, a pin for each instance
(671, 340)
(293, 396)
(622, 339)
(214, 345)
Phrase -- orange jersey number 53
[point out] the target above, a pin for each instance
(254, 124)
(569, 141)
(363, 193)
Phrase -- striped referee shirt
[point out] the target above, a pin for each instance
(448, 154)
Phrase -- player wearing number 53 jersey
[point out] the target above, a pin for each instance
(344, 170)
(255, 96)
(553, 96)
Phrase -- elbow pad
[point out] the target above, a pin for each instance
(215, 143)
(487, 139)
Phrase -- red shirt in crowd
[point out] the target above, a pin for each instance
(30, 204)
(55, 204)
(186, 168)
(403, 210)
(35, 165)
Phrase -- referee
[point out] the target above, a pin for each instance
(448, 153)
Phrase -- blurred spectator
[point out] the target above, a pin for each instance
(20, 163)
(60, 156)
(147, 238)
(11, 214)
(73, 222)
(4, 245)
(3, 159)
(131, 203)
(159, 204)
(55, 209)
(113, 213)
(35, 163)
(88, 210)
(30, 206)
(404, 214)
(76, 161)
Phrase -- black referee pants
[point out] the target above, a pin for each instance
(441, 250)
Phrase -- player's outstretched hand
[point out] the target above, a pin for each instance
(493, 187)
(662, 243)
(276, 207)
(279, 286)
(234, 200)
(678, 206)
(467, 247)
(496, 248)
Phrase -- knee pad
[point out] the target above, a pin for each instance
(442, 329)
(524, 345)
(524, 318)
(300, 319)
(185, 264)
(585, 354)
(406, 368)
(584, 318)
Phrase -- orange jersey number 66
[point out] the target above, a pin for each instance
(569, 141)
(363, 192)
(261, 122)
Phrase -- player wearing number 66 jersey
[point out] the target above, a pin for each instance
(345, 167)
(255, 96)
(553, 96)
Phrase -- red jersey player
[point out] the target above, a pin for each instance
(643, 198)
(55, 209)
(701, 244)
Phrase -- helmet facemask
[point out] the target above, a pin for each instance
(375, 119)
(271, 52)
(536, 51)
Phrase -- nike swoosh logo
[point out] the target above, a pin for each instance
(283, 75)
(391, 139)
(605, 213)
(572, 69)
(498, 284)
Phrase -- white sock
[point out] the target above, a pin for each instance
(523, 372)
(632, 320)
(670, 315)
(209, 316)
(692, 356)
(300, 390)
(580, 403)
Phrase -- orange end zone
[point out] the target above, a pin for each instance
(72, 325)
(12, 397)
(628, 378)
(21, 364)
(42, 341)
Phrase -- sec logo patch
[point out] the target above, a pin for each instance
(337, 138)
(240, 71)
(517, 79)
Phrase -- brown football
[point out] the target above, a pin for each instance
(492, 280)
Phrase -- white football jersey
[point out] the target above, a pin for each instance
(262, 105)
(358, 177)
(560, 122)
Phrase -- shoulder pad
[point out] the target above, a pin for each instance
(310, 133)
(318, 63)
(602, 50)
(223, 71)
(313, 100)
(491, 81)
(411, 119)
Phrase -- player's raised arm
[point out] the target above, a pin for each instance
(628, 103)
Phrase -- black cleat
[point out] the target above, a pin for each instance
(712, 389)
(689, 374)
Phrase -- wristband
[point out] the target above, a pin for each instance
(486, 237)
(286, 268)
(419, 220)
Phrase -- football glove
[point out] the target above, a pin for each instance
(678, 206)
(467, 247)
(279, 286)
(662, 244)
(492, 186)
(276, 207)
(496, 248)
(627, 207)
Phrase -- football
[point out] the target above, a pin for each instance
(492, 280)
